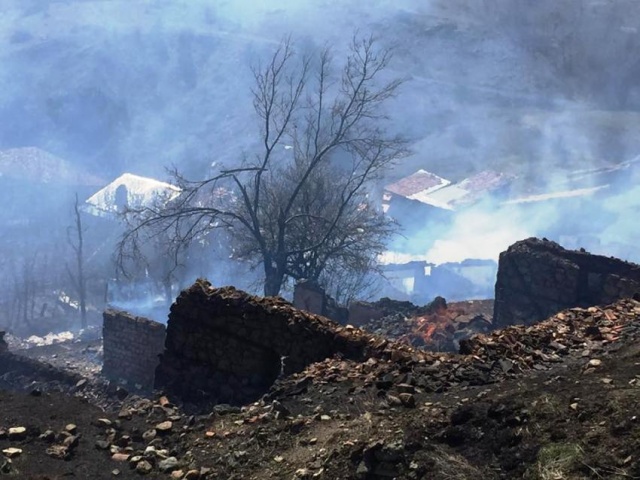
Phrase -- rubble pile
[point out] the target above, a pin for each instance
(584, 334)
(586, 331)
(538, 278)
(437, 326)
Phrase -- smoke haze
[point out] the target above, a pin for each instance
(538, 90)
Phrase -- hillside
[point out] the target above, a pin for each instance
(121, 86)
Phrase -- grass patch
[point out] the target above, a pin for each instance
(557, 461)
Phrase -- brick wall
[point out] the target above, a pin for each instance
(225, 346)
(132, 346)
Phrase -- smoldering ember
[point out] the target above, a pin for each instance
(240, 386)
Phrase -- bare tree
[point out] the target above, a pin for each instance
(75, 236)
(301, 202)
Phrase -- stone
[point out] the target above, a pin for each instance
(71, 428)
(102, 445)
(71, 441)
(164, 427)
(144, 467)
(59, 452)
(17, 433)
(120, 457)
(12, 452)
(408, 400)
(149, 435)
(103, 422)
(48, 436)
(168, 464)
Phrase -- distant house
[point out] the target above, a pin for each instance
(403, 200)
(481, 186)
(415, 187)
(129, 190)
(420, 281)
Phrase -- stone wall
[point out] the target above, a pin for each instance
(225, 346)
(132, 346)
(538, 278)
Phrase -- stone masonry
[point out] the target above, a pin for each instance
(538, 278)
(226, 346)
(132, 346)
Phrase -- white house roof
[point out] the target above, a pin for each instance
(141, 192)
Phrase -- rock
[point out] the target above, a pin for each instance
(302, 474)
(594, 362)
(225, 409)
(405, 388)
(17, 433)
(104, 422)
(177, 474)
(48, 436)
(102, 445)
(70, 442)
(144, 467)
(149, 435)
(59, 452)
(168, 464)
(164, 427)
(12, 452)
(71, 428)
(192, 475)
(394, 401)
(120, 457)
(408, 400)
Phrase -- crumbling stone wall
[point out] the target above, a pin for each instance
(312, 298)
(132, 346)
(538, 278)
(225, 346)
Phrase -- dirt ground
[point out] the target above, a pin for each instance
(575, 416)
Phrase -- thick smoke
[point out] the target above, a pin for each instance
(538, 90)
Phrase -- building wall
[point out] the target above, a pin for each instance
(132, 346)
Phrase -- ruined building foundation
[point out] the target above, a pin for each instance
(538, 278)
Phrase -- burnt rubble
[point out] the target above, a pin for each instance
(584, 334)
(437, 326)
(538, 278)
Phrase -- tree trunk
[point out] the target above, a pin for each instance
(273, 278)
